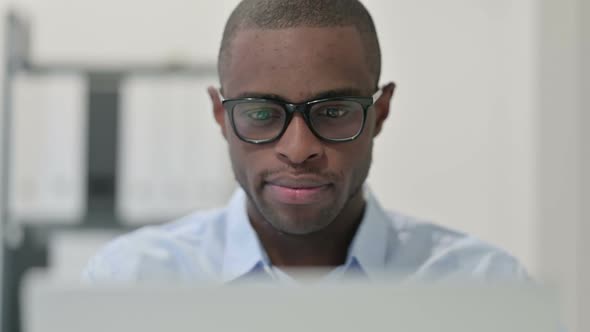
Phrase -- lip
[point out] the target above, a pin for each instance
(297, 190)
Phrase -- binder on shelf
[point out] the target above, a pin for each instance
(47, 159)
(172, 157)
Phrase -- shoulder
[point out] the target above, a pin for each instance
(437, 252)
(162, 252)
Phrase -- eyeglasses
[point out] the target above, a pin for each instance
(261, 120)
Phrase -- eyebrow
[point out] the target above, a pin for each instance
(345, 92)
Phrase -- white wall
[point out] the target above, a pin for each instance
(124, 32)
(458, 148)
(559, 157)
(584, 244)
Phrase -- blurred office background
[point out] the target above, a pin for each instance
(110, 128)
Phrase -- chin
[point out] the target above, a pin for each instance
(296, 219)
(299, 224)
(298, 229)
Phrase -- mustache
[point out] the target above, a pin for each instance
(299, 171)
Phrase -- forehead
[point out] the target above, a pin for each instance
(296, 63)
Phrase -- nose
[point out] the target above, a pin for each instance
(298, 144)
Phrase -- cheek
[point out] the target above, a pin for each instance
(350, 158)
(238, 156)
(248, 160)
(359, 165)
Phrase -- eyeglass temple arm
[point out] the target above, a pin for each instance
(377, 95)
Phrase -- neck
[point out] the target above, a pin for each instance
(325, 248)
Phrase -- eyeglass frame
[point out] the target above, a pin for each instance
(304, 109)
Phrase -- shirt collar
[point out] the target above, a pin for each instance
(244, 253)
(370, 244)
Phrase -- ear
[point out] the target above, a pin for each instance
(382, 106)
(218, 111)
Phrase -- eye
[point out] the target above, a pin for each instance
(334, 112)
(261, 114)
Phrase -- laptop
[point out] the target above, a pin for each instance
(50, 305)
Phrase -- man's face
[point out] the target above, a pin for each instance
(299, 184)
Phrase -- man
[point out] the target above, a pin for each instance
(299, 107)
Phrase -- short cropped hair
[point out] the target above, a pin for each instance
(282, 14)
